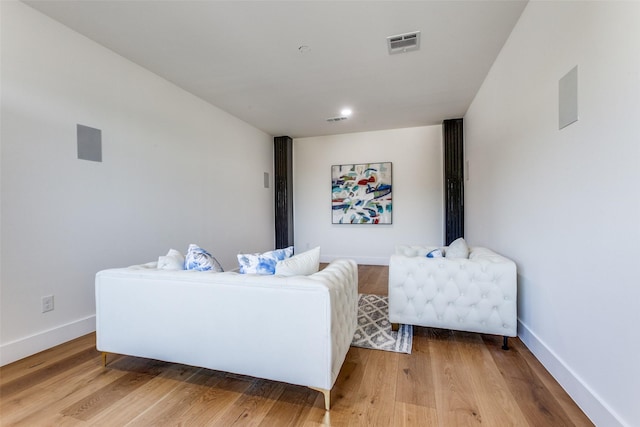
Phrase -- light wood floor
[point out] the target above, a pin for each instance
(450, 379)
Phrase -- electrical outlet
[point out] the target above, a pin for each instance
(47, 303)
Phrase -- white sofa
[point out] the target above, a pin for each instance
(294, 329)
(475, 294)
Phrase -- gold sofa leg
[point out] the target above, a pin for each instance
(395, 327)
(104, 358)
(327, 396)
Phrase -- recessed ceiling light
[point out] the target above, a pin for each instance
(344, 115)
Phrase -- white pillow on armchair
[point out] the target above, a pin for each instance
(457, 249)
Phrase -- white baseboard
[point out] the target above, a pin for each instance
(359, 260)
(589, 401)
(21, 348)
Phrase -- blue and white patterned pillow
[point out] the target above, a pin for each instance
(201, 260)
(263, 263)
(436, 253)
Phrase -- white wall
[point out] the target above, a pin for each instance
(565, 204)
(416, 156)
(175, 171)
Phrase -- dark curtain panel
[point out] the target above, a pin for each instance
(283, 188)
(453, 179)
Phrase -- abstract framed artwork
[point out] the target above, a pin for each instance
(361, 193)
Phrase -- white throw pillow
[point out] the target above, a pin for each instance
(174, 260)
(457, 249)
(302, 264)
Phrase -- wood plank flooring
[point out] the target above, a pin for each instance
(450, 379)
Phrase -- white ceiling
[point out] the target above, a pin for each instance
(244, 57)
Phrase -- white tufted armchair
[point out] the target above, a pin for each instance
(477, 294)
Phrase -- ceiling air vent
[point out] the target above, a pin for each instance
(337, 119)
(404, 42)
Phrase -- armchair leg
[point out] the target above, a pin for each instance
(505, 343)
(395, 327)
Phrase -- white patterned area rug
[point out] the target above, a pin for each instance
(374, 329)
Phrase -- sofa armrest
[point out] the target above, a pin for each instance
(341, 278)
